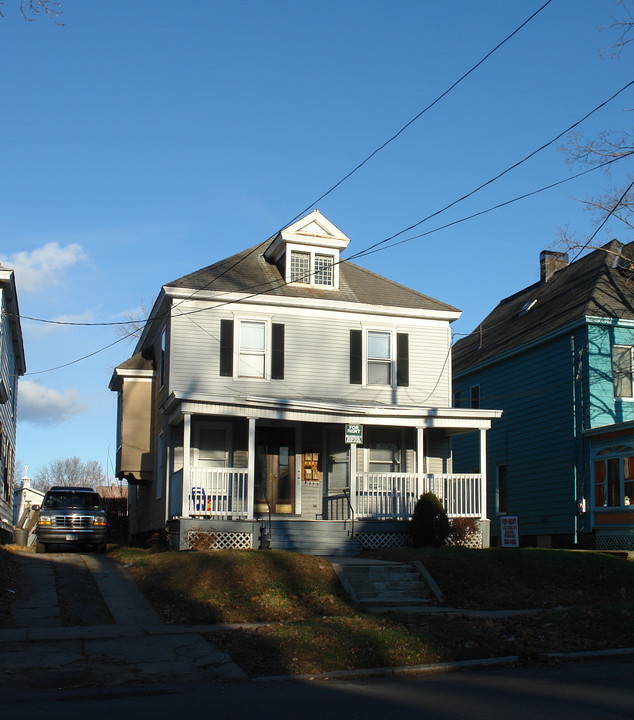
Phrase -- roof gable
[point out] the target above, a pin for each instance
(597, 285)
(254, 271)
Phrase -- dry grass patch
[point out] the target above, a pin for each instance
(232, 586)
(505, 579)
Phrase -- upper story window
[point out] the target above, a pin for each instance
(300, 267)
(323, 270)
(311, 268)
(622, 371)
(252, 353)
(379, 358)
(252, 349)
(475, 396)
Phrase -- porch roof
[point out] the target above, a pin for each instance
(455, 420)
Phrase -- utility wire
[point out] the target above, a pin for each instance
(373, 248)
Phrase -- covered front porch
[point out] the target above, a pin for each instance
(250, 467)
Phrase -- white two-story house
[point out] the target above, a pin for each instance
(284, 397)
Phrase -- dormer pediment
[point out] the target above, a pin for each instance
(313, 230)
(308, 251)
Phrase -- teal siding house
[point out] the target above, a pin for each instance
(557, 359)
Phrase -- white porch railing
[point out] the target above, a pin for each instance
(216, 492)
(222, 493)
(394, 495)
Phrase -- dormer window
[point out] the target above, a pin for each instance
(300, 267)
(312, 268)
(308, 251)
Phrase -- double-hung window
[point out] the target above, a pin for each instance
(379, 358)
(622, 371)
(251, 349)
(252, 355)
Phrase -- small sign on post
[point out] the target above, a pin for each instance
(354, 434)
(509, 531)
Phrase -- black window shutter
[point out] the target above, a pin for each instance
(277, 356)
(226, 348)
(402, 359)
(356, 357)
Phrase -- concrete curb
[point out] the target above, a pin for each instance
(508, 661)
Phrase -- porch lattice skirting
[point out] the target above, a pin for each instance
(206, 540)
(379, 540)
(614, 540)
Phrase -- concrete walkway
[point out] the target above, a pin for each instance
(135, 647)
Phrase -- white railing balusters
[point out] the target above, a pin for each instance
(217, 493)
(394, 495)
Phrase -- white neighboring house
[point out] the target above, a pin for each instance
(12, 366)
(284, 397)
(24, 498)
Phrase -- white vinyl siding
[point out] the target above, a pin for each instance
(317, 357)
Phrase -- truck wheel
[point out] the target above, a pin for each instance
(40, 547)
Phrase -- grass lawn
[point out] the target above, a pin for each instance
(306, 624)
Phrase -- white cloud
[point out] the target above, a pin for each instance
(43, 267)
(45, 406)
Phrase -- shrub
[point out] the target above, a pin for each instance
(463, 531)
(430, 524)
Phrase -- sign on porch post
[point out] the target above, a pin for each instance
(354, 434)
(509, 531)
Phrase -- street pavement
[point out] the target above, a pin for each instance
(134, 646)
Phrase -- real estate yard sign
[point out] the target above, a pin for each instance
(509, 531)
(354, 434)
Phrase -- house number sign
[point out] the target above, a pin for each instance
(354, 434)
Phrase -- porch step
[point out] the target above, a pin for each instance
(312, 537)
(388, 586)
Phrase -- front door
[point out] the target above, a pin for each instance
(275, 470)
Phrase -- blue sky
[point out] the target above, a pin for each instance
(146, 139)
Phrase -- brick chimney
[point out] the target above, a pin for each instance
(550, 262)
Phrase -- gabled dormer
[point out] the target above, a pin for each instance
(307, 252)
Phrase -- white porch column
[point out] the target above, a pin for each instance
(483, 473)
(353, 478)
(251, 470)
(187, 443)
(420, 462)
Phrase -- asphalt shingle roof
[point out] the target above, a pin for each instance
(249, 272)
(594, 285)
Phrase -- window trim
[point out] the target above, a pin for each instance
(313, 253)
(605, 456)
(231, 355)
(360, 360)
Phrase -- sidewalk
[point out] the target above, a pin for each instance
(136, 647)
